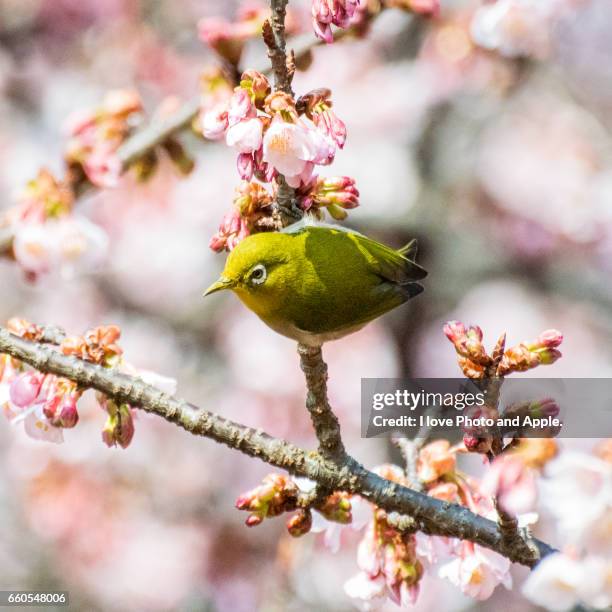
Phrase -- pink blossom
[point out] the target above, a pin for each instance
(331, 125)
(68, 244)
(477, 570)
(240, 107)
(232, 230)
(512, 483)
(34, 248)
(514, 27)
(36, 423)
(293, 149)
(103, 167)
(246, 135)
(37, 426)
(578, 493)
(245, 165)
(560, 582)
(25, 388)
(370, 593)
(327, 12)
(215, 122)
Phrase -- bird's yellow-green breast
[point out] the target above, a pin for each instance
(318, 283)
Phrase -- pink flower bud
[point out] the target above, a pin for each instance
(337, 12)
(61, 409)
(25, 389)
(240, 107)
(253, 520)
(547, 407)
(68, 415)
(245, 166)
(215, 122)
(474, 333)
(551, 338)
(476, 444)
(232, 230)
(454, 330)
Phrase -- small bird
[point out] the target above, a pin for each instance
(316, 282)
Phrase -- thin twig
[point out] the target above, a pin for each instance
(325, 422)
(274, 37)
(410, 453)
(432, 516)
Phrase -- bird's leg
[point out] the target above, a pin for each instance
(325, 422)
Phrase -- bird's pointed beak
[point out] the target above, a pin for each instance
(219, 285)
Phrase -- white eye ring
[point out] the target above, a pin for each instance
(258, 274)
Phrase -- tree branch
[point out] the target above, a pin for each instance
(432, 516)
(326, 425)
(274, 37)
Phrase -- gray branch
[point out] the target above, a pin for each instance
(431, 516)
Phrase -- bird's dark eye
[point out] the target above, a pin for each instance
(259, 274)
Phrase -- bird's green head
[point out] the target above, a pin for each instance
(258, 269)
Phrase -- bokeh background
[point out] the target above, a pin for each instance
(499, 163)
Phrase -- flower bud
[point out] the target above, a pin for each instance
(215, 122)
(300, 524)
(240, 107)
(119, 426)
(468, 344)
(551, 338)
(257, 85)
(245, 166)
(528, 355)
(454, 330)
(477, 444)
(25, 388)
(277, 494)
(61, 410)
(336, 507)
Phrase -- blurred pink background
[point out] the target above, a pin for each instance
(501, 165)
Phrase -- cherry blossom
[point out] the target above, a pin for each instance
(560, 582)
(293, 149)
(578, 492)
(477, 570)
(512, 483)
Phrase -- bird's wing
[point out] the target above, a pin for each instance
(394, 266)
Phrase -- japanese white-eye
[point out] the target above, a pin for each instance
(316, 283)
